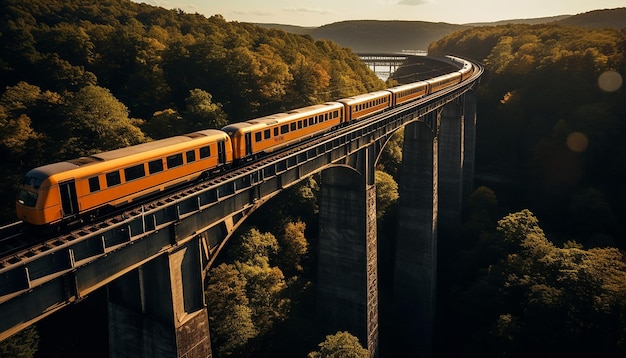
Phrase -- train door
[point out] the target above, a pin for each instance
(69, 201)
(221, 152)
(248, 143)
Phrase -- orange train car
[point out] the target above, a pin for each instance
(73, 190)
(409, 92)
(444, 81)
(364, 105)
(466, 71)
(270, 133)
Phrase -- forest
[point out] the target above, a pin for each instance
(536, 267)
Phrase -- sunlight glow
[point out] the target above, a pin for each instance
(577, 142)
(610, 81)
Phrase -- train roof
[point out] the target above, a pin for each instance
(407, 86)
(278, 118)
(154, 145)
(444, 77)
(108, 160)
(364, 97)
(268, 120)
(316, 108)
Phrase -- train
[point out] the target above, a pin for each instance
(62, 194)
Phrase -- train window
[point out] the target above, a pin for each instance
(113, 178)
(134, 172)
(205, 152)
(275, 131)
(94, 184)
(284, 129)
(311, 121)
(174, 160)
(293, 126)
(155, 166)
(266, 134)
(258, 136)
(190, 156)
(305, 123)
(299, 124)
(326, 116)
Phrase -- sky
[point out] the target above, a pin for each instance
(322, 12)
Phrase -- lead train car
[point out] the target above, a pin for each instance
(72, 190)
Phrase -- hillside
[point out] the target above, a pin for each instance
(376, 36)
(394, 36)
(385, 36)
(598, 19)
(534, 21)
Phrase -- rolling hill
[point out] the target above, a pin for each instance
(364, 36)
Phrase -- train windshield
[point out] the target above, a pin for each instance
(33, 180)
(27, 198)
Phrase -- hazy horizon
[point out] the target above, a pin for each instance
(309, 13)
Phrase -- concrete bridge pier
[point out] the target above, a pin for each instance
(451, 164)
(469, 135)
(415, 272)
(158, 310)
(347, 289)
(435, 178)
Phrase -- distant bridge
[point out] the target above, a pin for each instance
(383, 64)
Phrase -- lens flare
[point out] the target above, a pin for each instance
(610, 81)
(577, 142)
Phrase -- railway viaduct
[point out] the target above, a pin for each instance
(154, 259)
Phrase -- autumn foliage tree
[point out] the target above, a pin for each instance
(533, 297)
(340, 345)
(247, 298)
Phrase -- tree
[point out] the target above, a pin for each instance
(265, 285)
(569, 299)
(97, 121)
(293, 246)
(21, 345)
(230, 316)
(165, 123)
(391, 157)
(340, 345)
(254, 246)
(386, 192)
(266, 290)
(246, 299)
(310, 79)
(202, 113)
